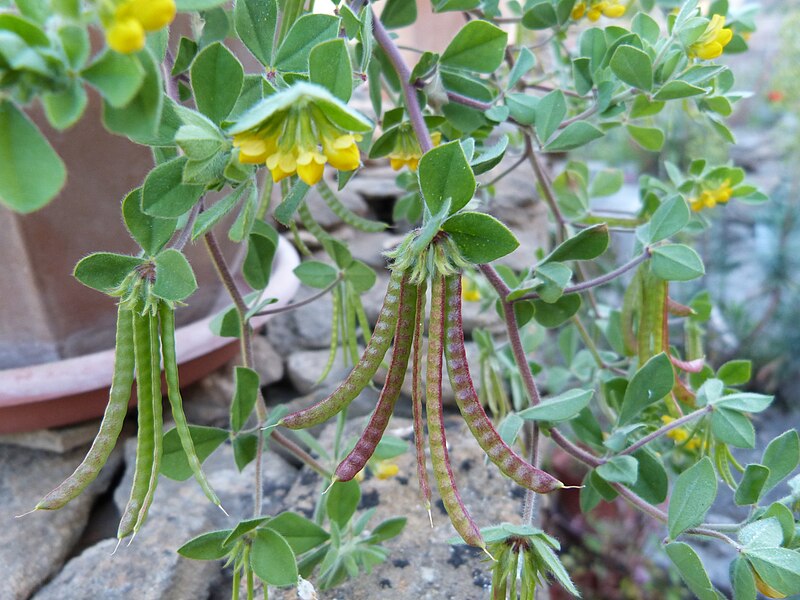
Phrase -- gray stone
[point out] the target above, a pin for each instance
(377, 183)
(307, 327)
(150, 568)
(363, 404)
(58, 440)
(305, 367)
(208, 401)
(267, 362)
(421, 563)
(34, 547)
(369, 247)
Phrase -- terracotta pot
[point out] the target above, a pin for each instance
(56, 334)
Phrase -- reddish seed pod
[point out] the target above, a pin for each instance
(365, 447)
(459, 516)
(362, 373)
(417, 399)
(508, 461)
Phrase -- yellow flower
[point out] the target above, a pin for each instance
(406, 151)
(469, 291)
(712, 41)
(386, 469)
(128, 21)
(342, 151)
(680, 435)
(709, 198)
(595, 9)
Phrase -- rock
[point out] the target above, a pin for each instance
(307, 327)
(267, 362)
(376, 185)
(34, 547)
(373, 298)
(369, 247)
(421, 564)
(150, 568)
(58, 440)
(363, 404)
(305, 367)
(208, 401)
(348, 196)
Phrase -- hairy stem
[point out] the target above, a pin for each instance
(666, 428)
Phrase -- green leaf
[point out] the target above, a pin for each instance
(342, 501)
(732, 427)
(301, 533)
(207, 546)
(118, 77)
(399, 13)
(587, 244)
(307, 32)
(669, 219)
(175, 279)
(550, 111)
(104, 271)
(272, 559)
(149, 232)
(559, 408)
(676, 262)
(620, 469)
(554, 276)
(361, 276)
(764, 533)
(262, 244)
(480, 237)
(139, 117)
(31, 173)
(526, 60)
(785, 518)
(653, 483)
(187, 50)
(751, 485)
(479, 46)
(692, 495)
(778, 567)
(388, 529)
(675, 89)
(633, 66)
(217, 78)
(194, 5)
(255, 22)
(207, 219)
(554, 566)
(744, 583)
(245, 447)
(329, 66)
(165, 195)
(781, 456)
(556, 313)
(735, 372)
(64, 108)
(650, 384)
(649, 138)
(691, 569)
(744, 401)
(246, 385)
(174, 463)
(316, 274)
(642, 107)
(243, 527)
(444, 172)
(573, 136)
(541, 15)
(606, 183)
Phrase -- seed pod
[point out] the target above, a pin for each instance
(334, 346)
(345, 214)
(416, 399)
(508, 461)
(365, 447)
(167, 321)
(459, 516)
(145, 440)
(158, 420)
(362, 373)
(111, 425)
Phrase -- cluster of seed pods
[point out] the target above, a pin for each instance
(145, 337)
(402, 319)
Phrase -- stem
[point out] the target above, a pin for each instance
(299, 303)
(666, 428)
(516, 164)
(404, 74)
(301, 454)
(547, 189)
(186, 233)
(603, 279)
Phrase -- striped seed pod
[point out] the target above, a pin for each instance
(508, 461)
(459, 516)
(366, 367)
(417, 399)
(365, 447)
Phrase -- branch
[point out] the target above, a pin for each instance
(666, 428)
(299, 303)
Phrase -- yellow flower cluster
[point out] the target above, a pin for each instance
(711, 43)
(131, 19)
(680, 435)
(709, 198)
(406, 151)
(289, 142)
(594, 9)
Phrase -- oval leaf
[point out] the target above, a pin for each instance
(480, 237)
(272, 558)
